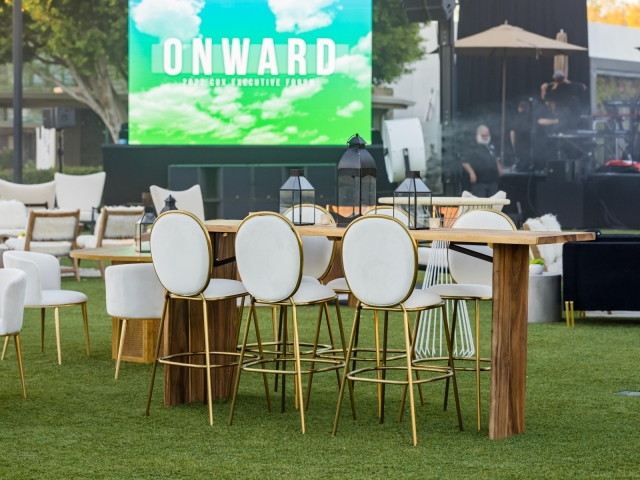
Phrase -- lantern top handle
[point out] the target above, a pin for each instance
(356, 141)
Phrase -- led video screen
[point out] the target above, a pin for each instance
(241, 72)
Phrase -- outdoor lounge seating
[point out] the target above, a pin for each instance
(44, 291)
(13, 285)
(13, 218)
(82, 192)
(52, 232)
(41, 195)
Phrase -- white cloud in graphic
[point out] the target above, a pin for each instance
(175, 109)
(319, 140)
(291, 130)
(357, 64)
(282, 106)
(168, 18)
(264, 136)
(303, 15)
(350, 109)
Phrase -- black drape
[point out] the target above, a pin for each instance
(480, 78)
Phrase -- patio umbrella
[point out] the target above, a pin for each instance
(509, 41)
(561, 62)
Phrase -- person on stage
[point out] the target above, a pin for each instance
(566, 96)
(482, 165)
(520, 136)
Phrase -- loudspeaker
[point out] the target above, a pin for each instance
(561, 171)
(420, 11)
(58, 118)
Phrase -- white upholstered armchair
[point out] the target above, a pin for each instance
(13, 284)
(187, 200)
(82, 192)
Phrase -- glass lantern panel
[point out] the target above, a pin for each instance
(142, 236)
(346, 196)
(416, 207)
(368, 194)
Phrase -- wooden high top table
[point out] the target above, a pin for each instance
(183, 330)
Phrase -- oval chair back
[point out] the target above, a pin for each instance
(380, 260)
(13, 285)
(470, 270)
(389, 211)
(42, 270)
(269, 256)
(181, 253)
(319, 252)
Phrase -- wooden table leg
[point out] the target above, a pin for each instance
(509, 340)
(184, 332)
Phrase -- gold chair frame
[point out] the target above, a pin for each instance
(16, 339)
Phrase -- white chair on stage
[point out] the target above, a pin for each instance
(43, 291)
(13, 285)
(380, 261)
(183, 261)
(270, 259)
(473, 279)
(82, 192)
(133, 293)
(52, 232)
(41, 195)
(189, 200)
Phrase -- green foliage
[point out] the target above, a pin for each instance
(32, 176)
(396, 42)
(536, 261)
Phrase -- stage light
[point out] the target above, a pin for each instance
(356, 182)
(143, 230)
(414, 198)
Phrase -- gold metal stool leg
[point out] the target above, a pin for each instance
(42, 315)
(313, 353)
(385, 330)
(453, 336)
(56, 316)
(347, 358)
(123, 331)
(449, 340)
(207, 357)
(408, 346)
(376, 329)
(85, 320)
(344, 351)
(296, 352)
(241, 362)
(4, 349)
(261, 353)
(16, 339)
(478, 397)
(165, 308)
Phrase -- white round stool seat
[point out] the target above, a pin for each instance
(462, 290)
(219, 288)
(339, 285)
(133, 291)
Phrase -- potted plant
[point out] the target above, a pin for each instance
(536, 266)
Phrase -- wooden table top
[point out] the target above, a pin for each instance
(517, 237)
(125, 253)
(450, 201)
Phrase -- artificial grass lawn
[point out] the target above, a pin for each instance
(78, 422)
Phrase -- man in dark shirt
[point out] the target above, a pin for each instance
(566, 96)
(482, 165)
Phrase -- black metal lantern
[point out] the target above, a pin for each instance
(414, 198)
(356, 182)
(143, 230)
(296, 193)
(169, 204)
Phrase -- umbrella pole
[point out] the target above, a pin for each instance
(504, 100)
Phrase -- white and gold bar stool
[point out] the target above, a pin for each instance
(473, 279)
(270, 258)
(183, 261)
(43, 291)
(133, 293)
(380, 262)
(13, 286)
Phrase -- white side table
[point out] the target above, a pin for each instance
(545, 304)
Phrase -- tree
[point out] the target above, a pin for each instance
(615, 12)
(396, 42)
(87, 38)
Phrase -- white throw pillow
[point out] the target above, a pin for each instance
(501, 195)
(13, 215)
(547, 252)
(550, 221)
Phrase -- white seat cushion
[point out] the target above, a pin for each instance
(422, 299)
(52, 248)
(339, 285)
(220, 288)
(310, 280)
(11, 232)
(462, 290)
(308, 293)
(51, 298)
(91, 241)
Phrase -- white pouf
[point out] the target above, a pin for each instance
(545, 303)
